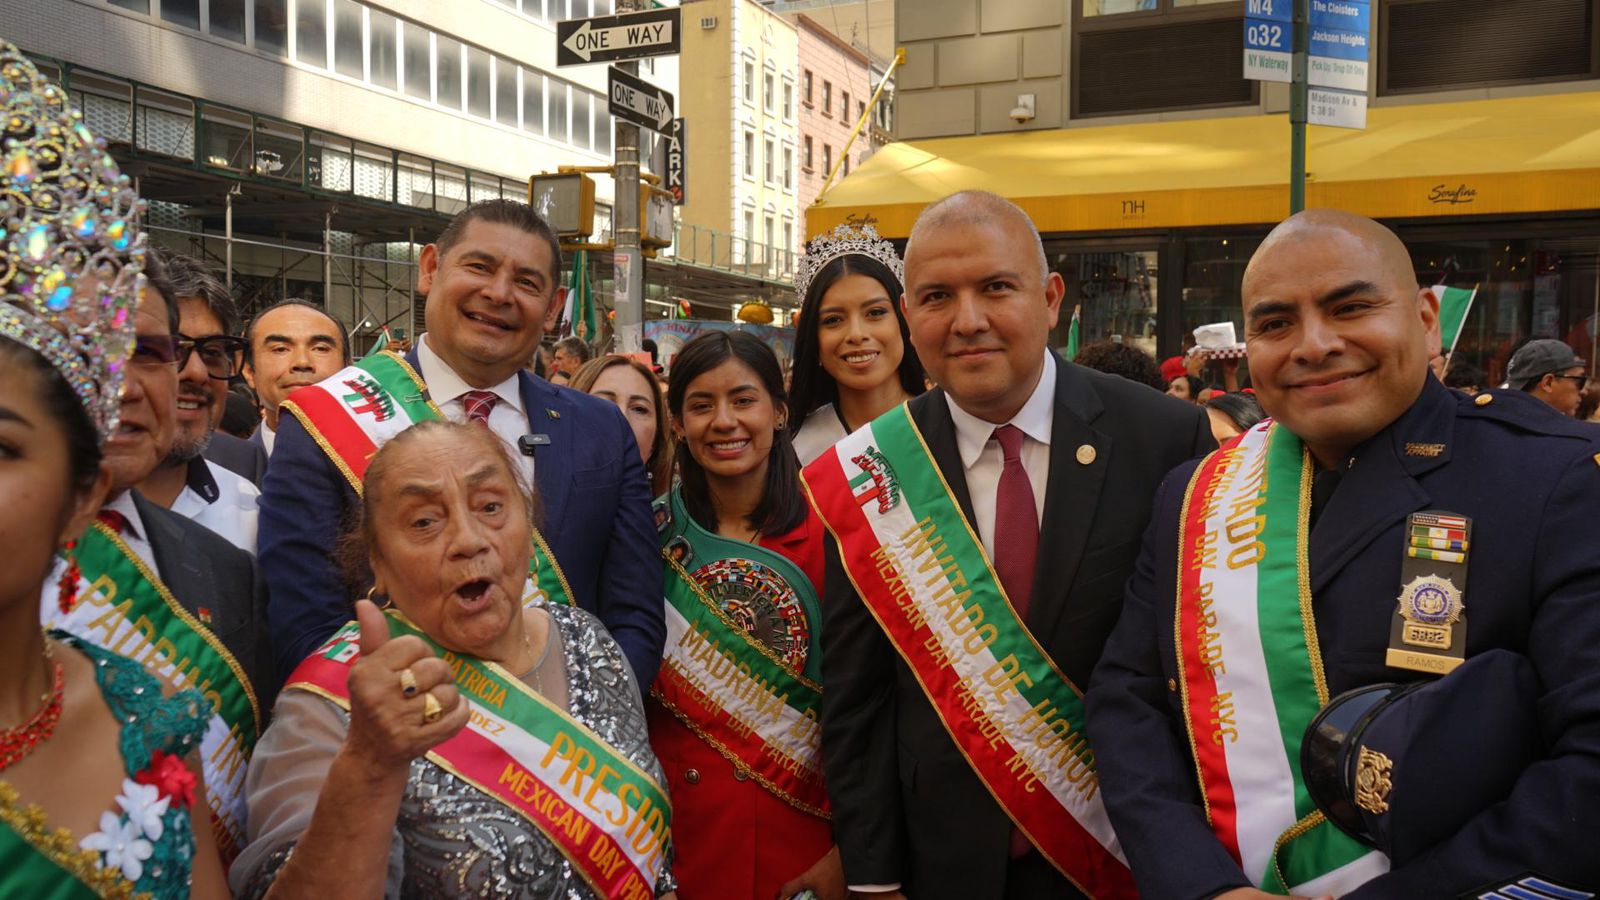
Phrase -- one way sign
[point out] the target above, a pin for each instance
(654, 32)
(638, 101)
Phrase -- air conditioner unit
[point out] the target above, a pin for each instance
(708, 22)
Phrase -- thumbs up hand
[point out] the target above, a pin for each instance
(387, 708)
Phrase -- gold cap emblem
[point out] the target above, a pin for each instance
(1374, 773)
(1085, 454)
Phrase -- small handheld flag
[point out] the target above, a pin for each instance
(1072, 335)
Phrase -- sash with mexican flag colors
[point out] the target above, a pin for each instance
(44, 863)
(1252, 669)
(607, 816)
(733, 691)
(355, 411)
(922, 572)
(122, 606)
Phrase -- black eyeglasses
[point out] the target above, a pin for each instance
(219, 353)
(1582, 380)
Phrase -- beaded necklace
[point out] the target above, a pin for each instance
(16, 743)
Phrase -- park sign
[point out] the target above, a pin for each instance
(1338, 59)
(677, 162)
(635, 100)
(654, 32)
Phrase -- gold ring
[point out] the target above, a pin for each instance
(408, 682)
(431, 710)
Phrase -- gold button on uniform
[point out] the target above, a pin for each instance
(692, 776)
(1484, 399)
(1085, 454)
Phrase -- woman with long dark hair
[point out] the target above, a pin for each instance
(853, 359)
(734, 715)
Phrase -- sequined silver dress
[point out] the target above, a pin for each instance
(450, 839)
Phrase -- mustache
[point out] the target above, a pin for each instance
(201, 395)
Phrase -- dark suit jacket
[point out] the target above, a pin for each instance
(907, 806)
(247, 459)
(257, 440)
(202, 569)
(591, 486)
(1529, 480)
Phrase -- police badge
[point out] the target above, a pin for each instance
(1429, 630)
(1431, 607)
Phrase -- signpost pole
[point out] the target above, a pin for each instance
(628, 262)
(1298, 105)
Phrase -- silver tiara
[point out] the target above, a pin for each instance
(845, 240)
(71, 252)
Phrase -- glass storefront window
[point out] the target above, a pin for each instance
(1115, 294)
(1213, 275)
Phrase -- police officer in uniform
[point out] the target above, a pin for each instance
(1438, 527)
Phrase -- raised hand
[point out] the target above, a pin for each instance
(387, 724)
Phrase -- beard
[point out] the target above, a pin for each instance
(187, 447)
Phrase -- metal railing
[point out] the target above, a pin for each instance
(723, 252)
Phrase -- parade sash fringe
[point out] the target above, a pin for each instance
(608, 817)
(1252, 676)
(123, 607)
(922, 572)
(358, 409)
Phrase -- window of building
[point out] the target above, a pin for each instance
(769, 162)
(861, 109)
(382, 29)
(827, 158)
(788, 233)
(768, 91)
(1552, 40)
(1121, 53)
(182, 12)
(844, 104)
(557, 91)
(749, 81)
(447, 71)
(227, 19)
(416, 45)
(749, 155)
(138, 6)
(311, 34)
(847, 164)
(479, 87)
(1093, 8)
(788, 97)
(505, 92)
(582, 119)
(769, 229)
(603, 128)
(272, 26)
(532, 101)
(347, 39)
(805, 87)
(805, 152)
(827, 98)
(788, 167)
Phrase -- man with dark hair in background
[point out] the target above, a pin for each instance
(290, 344)
(186, 481)
(571, 353)
(493, 285)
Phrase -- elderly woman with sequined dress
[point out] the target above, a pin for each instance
(453, 741)
(100, 792)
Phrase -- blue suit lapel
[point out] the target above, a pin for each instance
(550, 414)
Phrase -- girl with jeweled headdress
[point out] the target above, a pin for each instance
(853, 359)
(100, 791)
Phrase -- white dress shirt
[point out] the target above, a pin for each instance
(268, 435)
(231, 510)
(507, 419)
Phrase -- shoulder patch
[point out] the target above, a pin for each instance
(1531, 886)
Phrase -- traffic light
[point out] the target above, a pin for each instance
(566, 201)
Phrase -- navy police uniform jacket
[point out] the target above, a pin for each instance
(1529, 479)
(592, 490)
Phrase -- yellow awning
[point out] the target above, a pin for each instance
(1519, 155)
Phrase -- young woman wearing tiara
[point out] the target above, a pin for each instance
(100, 792)
(853, 359)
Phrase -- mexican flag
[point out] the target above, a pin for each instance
(382, 342)
(1072, 336)
(1454, 304)
(581, 315)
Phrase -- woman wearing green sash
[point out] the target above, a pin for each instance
(99, 787)
(456, 743)
(734, 708)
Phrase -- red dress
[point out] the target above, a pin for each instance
(733, 838)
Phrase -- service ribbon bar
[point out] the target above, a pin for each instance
(123, 607)
(359, 408)
(733, 692)
(607, 816)
(1252, 679)
(922, 572)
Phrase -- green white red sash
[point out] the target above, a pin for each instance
(358, 409)
(730, 689)
(123, 607)
(1252, 670)
(607, 816)
(920, 568)
(38, 862)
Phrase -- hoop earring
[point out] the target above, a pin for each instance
(67, 587)
(387, 600)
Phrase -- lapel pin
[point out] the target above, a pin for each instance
(1085, 454)
(1427, 450)
(552, 414)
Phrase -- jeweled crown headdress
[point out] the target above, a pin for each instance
(845, 240)
(71, 252)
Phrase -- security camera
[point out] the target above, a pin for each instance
(1023, 112)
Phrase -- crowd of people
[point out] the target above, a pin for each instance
(939, 613)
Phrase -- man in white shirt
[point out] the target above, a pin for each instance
(289, 345)
(1054, 467)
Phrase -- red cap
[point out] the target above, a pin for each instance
(1172, 367)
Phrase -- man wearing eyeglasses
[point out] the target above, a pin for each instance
(185, 481)
(1550, 371)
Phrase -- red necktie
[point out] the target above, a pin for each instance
(478, 404)
(113, 520)
(1016, 523)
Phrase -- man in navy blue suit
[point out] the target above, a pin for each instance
(493, 285)
(1382, 529)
